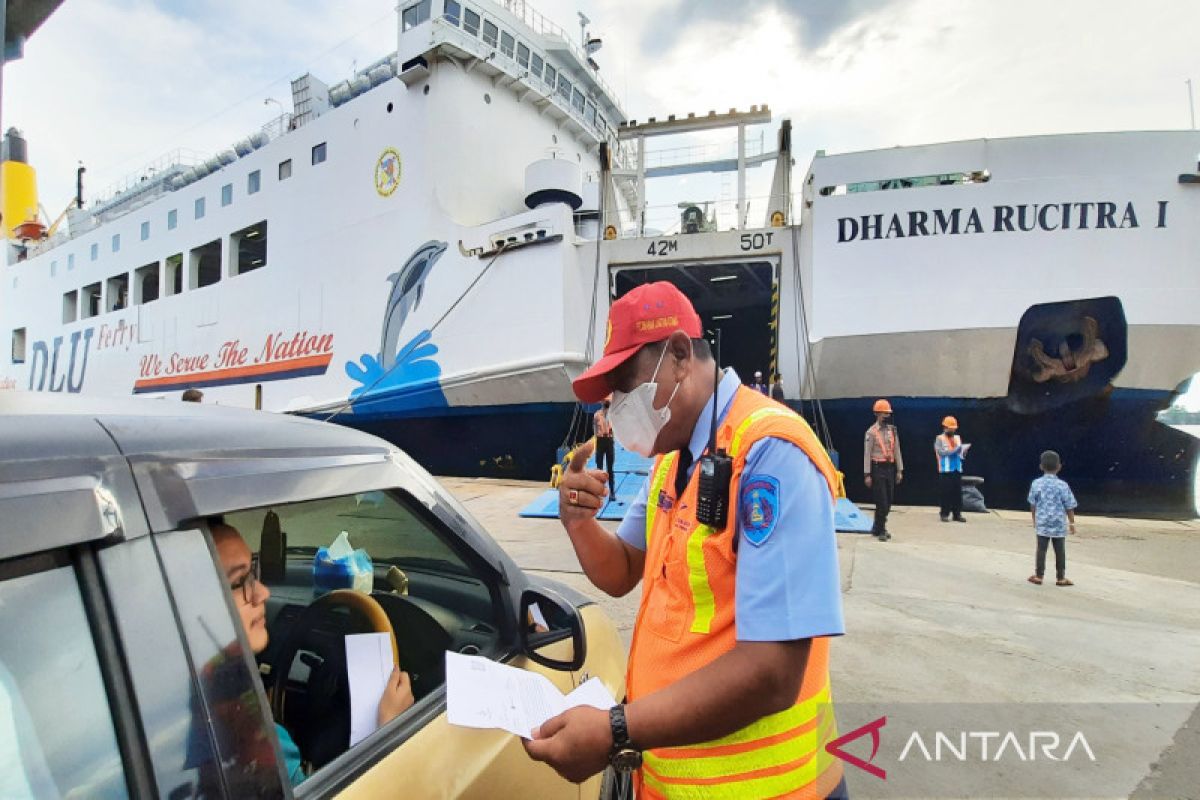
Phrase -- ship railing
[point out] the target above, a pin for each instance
(278, 126)
(447, 31)
(705, 152)
(180, 157)
(543, 26)
(719, 215)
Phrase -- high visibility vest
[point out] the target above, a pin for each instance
(686, 620)
(887, 444)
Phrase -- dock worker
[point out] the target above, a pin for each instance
(883, 465)
(727, 684)
(758, 384)
(605, 450)
(950, 450)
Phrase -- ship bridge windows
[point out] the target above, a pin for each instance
(491, 34)
(577, 100)
(18, 346)
(117, 295)
(523, 55)
(89, 300)
(173, 277)
(414, 15)
(70, 306)
(471, 22)
(145, 284)
(564, 87)
(550, 77)
(507, 43)
(204, 265)
(535, 65)
(453, 13)
(249, 247)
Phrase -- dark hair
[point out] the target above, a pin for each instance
(1050, 461)
(605, 403)
(192, 396)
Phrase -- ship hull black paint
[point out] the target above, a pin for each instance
(1117, 458)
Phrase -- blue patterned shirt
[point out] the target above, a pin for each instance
(1051, 498)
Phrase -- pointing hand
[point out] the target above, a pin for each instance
(582, 491)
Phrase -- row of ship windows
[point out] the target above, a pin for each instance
(199, 267)
(253, 185)
(479, 26)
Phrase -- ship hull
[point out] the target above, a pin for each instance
(1116, 456)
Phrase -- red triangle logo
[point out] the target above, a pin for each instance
(835, 747)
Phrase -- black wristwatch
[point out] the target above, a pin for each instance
(624, 756)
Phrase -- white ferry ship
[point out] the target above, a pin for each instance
(428, 250)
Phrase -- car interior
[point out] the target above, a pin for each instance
(421, 588)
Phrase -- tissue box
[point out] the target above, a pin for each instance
(350, 571)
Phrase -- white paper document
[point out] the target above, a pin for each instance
(483, 694)
(965, 448)
(368, 666)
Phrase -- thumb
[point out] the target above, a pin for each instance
(582, 454)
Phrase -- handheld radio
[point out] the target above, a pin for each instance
(716, 467)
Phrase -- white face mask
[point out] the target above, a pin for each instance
(634, 419)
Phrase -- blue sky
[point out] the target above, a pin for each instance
(118, 83)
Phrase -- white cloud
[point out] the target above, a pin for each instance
(118, 82)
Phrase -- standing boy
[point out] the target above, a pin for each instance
(1053, 507)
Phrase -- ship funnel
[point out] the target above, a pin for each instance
(553, 180)
(18, 185)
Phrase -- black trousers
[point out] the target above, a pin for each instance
(1060, 555)
(883, 490)
(950, 489)
(605, 451)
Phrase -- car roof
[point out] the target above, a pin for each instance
(76, 468)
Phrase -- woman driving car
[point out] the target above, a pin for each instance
(250, 598)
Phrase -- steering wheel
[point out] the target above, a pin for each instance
(319, 720)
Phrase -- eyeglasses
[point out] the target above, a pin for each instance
(248, 583)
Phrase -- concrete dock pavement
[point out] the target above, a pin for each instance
(943, 614)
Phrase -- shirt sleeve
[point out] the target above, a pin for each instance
(1069, 501)
(788, 583)
(1033, 493)
(632, 529)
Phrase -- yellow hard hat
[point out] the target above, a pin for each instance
(950, 422)
(882, 407)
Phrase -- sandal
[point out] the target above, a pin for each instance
(1063, 582)
(1035, 579)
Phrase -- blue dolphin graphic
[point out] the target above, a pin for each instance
(408, 283)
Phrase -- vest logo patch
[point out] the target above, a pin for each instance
(759, 508)
(665, 501)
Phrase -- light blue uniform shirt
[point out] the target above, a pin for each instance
(1051, 498)
(788, 585)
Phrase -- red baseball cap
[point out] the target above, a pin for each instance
(648, 313)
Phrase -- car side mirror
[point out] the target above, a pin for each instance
(551, 631)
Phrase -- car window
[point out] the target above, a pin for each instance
(427, 583)
(384, 525)
(229, 725)
(56, 729)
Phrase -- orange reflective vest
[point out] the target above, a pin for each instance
(686, 620)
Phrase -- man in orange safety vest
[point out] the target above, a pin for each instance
(727, 686)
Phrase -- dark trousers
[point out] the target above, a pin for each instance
(950, 488)
(1060, 555)
(605, 451)
(883, 490)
